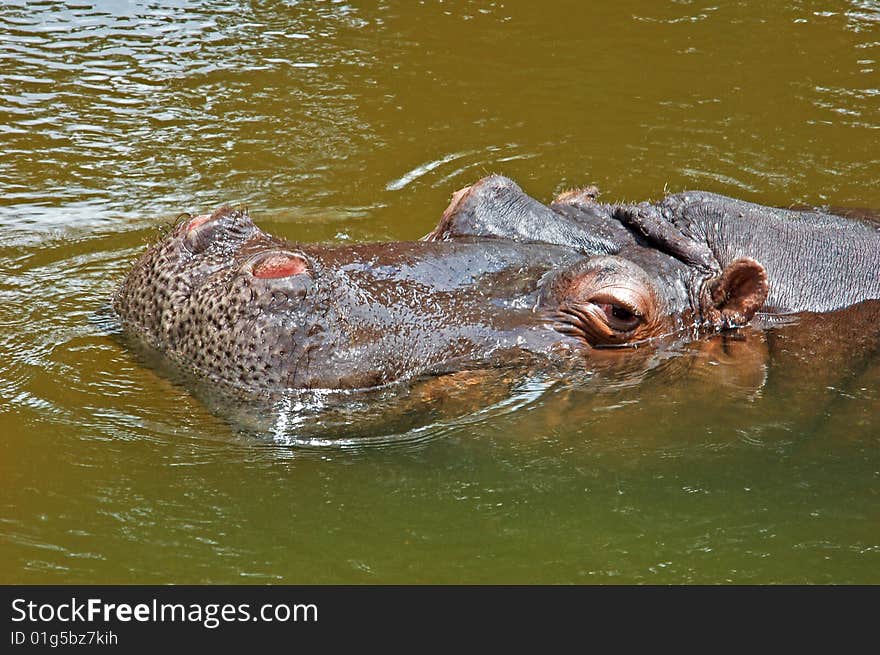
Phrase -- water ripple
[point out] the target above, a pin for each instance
(143, 91)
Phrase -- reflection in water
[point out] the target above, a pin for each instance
(422, 169)
(749, 458)
(477, 162)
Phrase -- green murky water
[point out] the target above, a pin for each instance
(331, 121)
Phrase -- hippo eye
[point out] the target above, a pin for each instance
(621, 313)
(605, 301)
(618, 316)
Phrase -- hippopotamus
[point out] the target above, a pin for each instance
(733, 258)
(502, 281)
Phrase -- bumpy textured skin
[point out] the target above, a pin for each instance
(359, 317)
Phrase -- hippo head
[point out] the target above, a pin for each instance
(255, 313)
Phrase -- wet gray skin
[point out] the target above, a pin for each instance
(815, 261)
(652, 291)
(251, 312)
(808, 260)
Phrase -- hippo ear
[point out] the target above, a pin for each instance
(577, 197)
(732, 299)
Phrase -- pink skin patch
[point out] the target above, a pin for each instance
(606, 307)
(201, 219)
(280, 265)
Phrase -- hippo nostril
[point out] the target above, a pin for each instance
(618, 316)
(199, 232)
(196, 221)
(279, 264)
